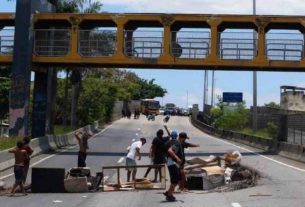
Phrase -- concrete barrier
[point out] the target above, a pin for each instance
(246, 139)
(292, 151)
(47, 143)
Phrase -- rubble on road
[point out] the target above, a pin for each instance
(213, 175)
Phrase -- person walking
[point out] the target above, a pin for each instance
(182, 139)
(157, 154)
(20, 156)
(29, 151)
(134, 151)
(174, 160)
(82, 139)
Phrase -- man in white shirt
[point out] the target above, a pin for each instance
(134, 151)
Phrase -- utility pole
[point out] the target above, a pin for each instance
(187, 99)
(213, 87)
(205, 89)
(254, 108)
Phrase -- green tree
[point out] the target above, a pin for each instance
(4, 92)
(76, 6)
(272, 105)
(230, 116)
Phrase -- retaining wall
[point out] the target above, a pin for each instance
(288, 150)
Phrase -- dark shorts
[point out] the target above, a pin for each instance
(81, 161)
(19, 173)
(174, 174)
(158, 160)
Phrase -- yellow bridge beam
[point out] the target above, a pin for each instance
(215, 23)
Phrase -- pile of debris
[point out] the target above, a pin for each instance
(80, 180)
(219, 174)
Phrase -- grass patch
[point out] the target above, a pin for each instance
(260, 133)
(8, 142)
(59, 130)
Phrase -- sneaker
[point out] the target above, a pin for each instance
(165, 194)
(170, 198)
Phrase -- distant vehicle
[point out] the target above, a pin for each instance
(185, 112)
(170, 105)
(150, 106)
(170, 109)
(161, 111)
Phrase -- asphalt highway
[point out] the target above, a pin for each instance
(282, 183)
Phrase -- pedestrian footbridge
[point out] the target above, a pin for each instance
(192, 41)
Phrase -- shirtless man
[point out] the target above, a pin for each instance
(82, 139)
(20, 156)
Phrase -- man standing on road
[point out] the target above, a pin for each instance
(156, 153)
(82, 139)
(174, 160)
(182, 137)
(29, 151)
(134, 151)
(20, 156)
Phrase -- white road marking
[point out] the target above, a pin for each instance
(48, 157)
(121, 160)
(133, 140)
(235, 205)
(268, 158)
(137, 134)
(139, 129)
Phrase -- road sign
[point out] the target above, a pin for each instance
(232, 97)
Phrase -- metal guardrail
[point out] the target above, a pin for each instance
(285, 49)
(296, 136)
(190, 44)
(143, 44)
(52, 42)
(7, 41)
(237, 49)
(97, 43)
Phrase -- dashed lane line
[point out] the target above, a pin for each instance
(235, 204)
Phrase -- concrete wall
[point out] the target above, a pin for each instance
(289, 150)
(47, 143)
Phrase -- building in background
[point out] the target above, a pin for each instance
(292, 98)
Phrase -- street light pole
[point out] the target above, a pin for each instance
(187, 99)
(254, 112)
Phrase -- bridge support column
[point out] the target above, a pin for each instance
(39, 104)
(120, 39)
(21, 70)
(214, 39)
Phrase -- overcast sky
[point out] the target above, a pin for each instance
(186, 83)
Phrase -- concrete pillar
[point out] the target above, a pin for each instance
(39, 104)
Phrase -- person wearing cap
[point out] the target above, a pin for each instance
(182, 139)
(174, 159)
(134, 151)
(82, 139)
(156, 153)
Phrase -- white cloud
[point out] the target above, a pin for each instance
(279, 7)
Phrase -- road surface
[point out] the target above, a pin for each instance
(282, 183)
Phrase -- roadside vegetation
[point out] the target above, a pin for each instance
(8, 142)
(236, 117)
